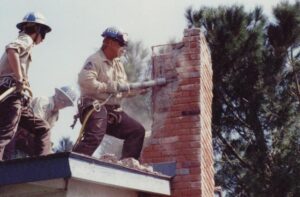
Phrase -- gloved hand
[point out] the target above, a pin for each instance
(112, 87)
(115, 87)
(124, 87)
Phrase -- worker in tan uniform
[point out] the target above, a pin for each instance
(100, 80)
(46, 108)
(14, 63)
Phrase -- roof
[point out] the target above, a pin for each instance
(84, 168)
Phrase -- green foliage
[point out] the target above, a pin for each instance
(256, 97)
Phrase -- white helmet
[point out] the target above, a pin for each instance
(69, 92)
(35, 18)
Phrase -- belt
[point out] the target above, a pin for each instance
(88, 101)
(7, 82)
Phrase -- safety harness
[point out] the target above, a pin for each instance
(96, 107)
(10, 85)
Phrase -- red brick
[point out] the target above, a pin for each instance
(170, 152)
(192, 193)
(185, 106)
(186, 63)
(189, 74)
(182, 158)
(195, 170)
(182, 100)
(182, 119)
(195, 44)
(182, 185)
(195, 80)
(176, 133)
(188, 151)
(187, 69)
(191, 87)
(167, 140)
(189, 164)
(195, 31)
(187, 145)
(185, 178)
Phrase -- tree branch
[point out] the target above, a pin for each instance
(231, 148)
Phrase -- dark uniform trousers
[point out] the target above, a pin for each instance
(14, 113)
(125, 128)
(22, 143)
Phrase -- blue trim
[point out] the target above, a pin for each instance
(52, 166)
(34, 169)
(31, 18)
(166, 168)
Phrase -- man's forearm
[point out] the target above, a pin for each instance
(14, 62)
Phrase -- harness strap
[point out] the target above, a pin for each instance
(96, 107)
(83, 125)
(11, 91)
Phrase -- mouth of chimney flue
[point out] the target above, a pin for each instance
(163, 47)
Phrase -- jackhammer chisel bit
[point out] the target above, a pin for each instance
(144, 84)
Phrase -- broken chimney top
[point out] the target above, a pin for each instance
(181, 129)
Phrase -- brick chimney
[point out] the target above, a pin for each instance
(181, 129)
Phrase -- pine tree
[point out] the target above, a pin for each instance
(256, 97)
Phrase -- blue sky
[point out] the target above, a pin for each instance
(77, 26)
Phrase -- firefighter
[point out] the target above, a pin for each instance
(46, 108)
(100, 112)
(14, 65)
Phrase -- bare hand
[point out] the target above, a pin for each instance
(20, 86)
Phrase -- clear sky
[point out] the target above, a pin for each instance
(77, 26)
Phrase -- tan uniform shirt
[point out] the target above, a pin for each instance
(100, 77)
(23, 45)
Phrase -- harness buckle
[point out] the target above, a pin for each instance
(96, 105)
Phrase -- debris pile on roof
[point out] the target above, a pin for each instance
(110, 158)
(129, 163)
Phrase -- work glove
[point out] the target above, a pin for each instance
(124, 87)
(115, 87)
(112, 87)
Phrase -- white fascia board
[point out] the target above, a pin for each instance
(118, 177)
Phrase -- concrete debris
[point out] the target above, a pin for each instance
(129, 163)
(110, 158)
